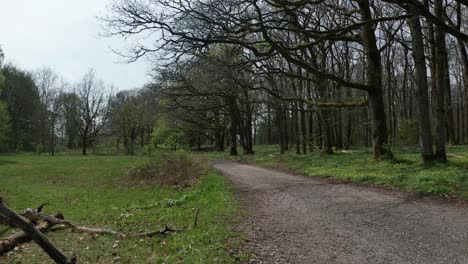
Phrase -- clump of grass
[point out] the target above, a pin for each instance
(169, 168)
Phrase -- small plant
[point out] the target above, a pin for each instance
(408, 133)
(39, 148)
(169, 168)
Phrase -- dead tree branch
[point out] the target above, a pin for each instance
(12, 218)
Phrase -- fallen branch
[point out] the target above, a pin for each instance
(32, 214)
(82, 229)
(51, 222)
(456, 156)
(196, 218)
(9, 243)
(10, 217)
(161, 232)
(20, 237)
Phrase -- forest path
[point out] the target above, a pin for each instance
(297, 219)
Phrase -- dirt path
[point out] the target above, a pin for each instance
(295, 219)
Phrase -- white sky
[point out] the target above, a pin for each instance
(63, 34)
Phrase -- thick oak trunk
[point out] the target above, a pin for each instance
(422, 97)
(374, 81)
(440, 60)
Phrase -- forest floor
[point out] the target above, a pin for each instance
(89, 191)
(298, 219)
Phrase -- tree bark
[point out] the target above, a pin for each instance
(440, 61)
(84, 140)
(374, 80)
(422, 96)
(232, 100)
(24, 224)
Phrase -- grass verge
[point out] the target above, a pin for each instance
(89, 192)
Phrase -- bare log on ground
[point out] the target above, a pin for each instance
(9, 243)
(195, 221)
(11, 217)
(82, 229)
(32, 214)
(161, 232)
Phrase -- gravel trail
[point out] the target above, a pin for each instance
(297, 219)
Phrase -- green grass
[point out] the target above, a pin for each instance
(89, 192)
(407, 172)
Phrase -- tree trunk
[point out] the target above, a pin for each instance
(281, 128)
(374, 80)
(52, 137)
(85, 143)
(440, 84)
(269, 142)
(232, 105)
(422, 96)
(448, 103)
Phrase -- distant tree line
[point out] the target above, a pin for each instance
(309, 74)
(39, 110)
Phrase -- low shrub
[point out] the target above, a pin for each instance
(169, 168)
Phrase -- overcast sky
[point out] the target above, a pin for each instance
(63, 34)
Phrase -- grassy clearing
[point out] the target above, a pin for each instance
(89, 192)
(406, 173)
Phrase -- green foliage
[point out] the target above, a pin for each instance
(88, 191)
(4, 116)
(165, 134)
(21, 96)
(168, 168)
(2, 81)
(40, 148)
(4, 124)
(408, 133)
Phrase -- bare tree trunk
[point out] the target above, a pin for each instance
(448, 103)
(303, 129)
(286, 131)
(302, 115)
(374, 80)
(269, 142)
(281, 128)
(52, 137)
(422, 97)
(233, 139)
(248, 137)
(232, 102)
(348, 130)
(85, 143)
(432, 63)
(310, 138)
(440, 84)
(464, 60)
